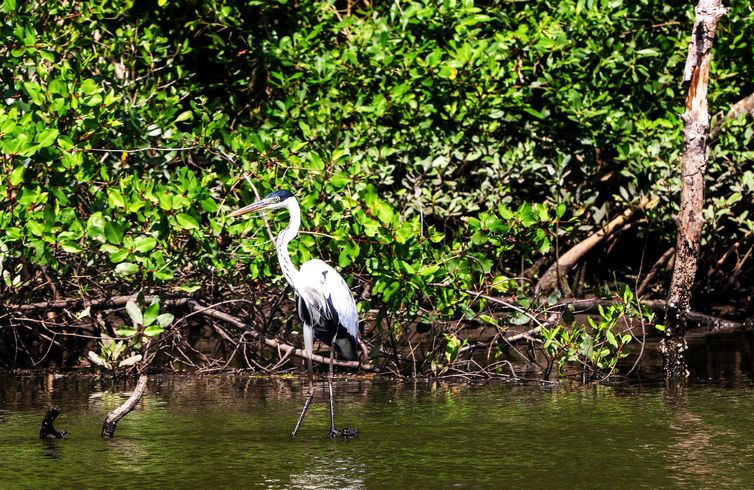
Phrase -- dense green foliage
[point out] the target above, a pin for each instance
(436, 147)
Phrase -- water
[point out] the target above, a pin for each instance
(233, 432)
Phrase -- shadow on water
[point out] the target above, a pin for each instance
(233, 431)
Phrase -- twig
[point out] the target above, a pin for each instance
(140, 150)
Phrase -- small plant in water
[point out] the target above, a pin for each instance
(596, 347)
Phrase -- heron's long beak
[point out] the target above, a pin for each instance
(250, 208)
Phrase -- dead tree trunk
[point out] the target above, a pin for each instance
(693, 166)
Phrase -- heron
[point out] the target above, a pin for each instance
(323, 299)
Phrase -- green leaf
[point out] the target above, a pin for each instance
(183, 116)
(534, 112)
(125, 331)
(113, 233)
(187, 222)
(339, 180)
(151, 313)
(144, 244)
(9, 6)
(560, 211)
(165, 319)
(47, 137)
(117, 255)
(209, 205)
(115, 198)
(71, 247)
(17, 175)
(88, 86)
(428, 270)
(153, 330)
(344, 258)
(489, 319)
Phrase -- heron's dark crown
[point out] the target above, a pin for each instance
(281, 195)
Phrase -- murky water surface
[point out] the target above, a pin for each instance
(234, 432)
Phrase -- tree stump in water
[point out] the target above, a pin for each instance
(111, 422)
(48, 431)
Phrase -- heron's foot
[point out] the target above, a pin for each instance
(345, 433)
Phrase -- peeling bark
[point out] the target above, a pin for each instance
(693, 165)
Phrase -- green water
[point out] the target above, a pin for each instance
(233, 432)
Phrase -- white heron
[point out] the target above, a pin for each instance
(323, 299)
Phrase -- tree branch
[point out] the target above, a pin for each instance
(744, 106)
(568, 260)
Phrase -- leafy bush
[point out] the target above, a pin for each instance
(435, 148)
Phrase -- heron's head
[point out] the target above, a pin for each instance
(273, 200)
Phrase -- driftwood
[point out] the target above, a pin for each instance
(693, 165)
(111, 422)
(48, 431)
(554, 276)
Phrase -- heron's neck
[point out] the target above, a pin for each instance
(282, 241)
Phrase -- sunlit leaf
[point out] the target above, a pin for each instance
(130, 361)
(135, 313)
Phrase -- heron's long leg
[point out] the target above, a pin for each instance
(309, 397)
(333, 432)
(308, 338)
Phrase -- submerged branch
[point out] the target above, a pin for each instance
(48, 430)
(111, 422)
